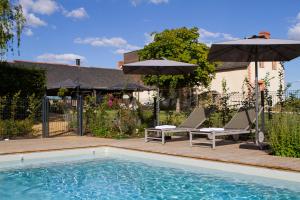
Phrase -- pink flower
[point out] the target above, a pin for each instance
(110, 103)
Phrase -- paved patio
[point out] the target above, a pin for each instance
(226, 152)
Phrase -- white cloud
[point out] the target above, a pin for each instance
(34, 21)
(96, 41)
(298, 16)
(149, 38)
(78, 13)
(33, 7)
(68, 58)
(204, 33)
(121, 51)
(126, 49)
(28, 32)
(209, 37)
(156, 2)
(116, 42)
(44, 7)
(294, 30)
(207, 34)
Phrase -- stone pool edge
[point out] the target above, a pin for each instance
(161, 153)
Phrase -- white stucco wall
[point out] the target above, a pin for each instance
(262, 72)
(234, 80)
(145, 97)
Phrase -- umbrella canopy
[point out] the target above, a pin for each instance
(128, 86)
(70, 84)
(255, 49)
(259, 49)
(159, 67)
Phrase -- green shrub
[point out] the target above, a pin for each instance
(15, 128)
(284, 135)
(96, 118)
(15, 78)
(8, 129)
(174, 118)
(125, 122)
(99, 124)
(24, 127)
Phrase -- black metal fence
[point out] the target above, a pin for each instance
(185, 100)
(20, 117)
(62, 116)
(125, 114)
(31, 117)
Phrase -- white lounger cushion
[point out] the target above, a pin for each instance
(165, 127)
(211, 129)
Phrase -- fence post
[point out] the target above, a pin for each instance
(262, 95)
(79, 115)
(154, 111)
(45, 117)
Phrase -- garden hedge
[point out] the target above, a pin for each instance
(15, 78)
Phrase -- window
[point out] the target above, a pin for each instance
(274, 65)
(261, 64)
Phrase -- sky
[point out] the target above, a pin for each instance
(100, 31)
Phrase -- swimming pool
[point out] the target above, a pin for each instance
(108, 173)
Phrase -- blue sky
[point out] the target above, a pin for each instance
(99, 31)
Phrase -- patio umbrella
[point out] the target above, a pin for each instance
(158, 67)
(255, 49)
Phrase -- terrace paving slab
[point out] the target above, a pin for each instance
(225, 152)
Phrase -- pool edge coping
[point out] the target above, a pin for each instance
(287, 169)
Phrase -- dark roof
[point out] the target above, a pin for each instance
(98, 78)
(70, 84)
(129, 86)
(231, 65)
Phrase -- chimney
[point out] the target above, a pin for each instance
(265, 34)
(78, 62)
(120, 63)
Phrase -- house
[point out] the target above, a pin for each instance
(91, 80)
(235, 73)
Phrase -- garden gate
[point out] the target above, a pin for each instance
(62, 116)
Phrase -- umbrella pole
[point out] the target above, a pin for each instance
(157, 102)
(256, 99)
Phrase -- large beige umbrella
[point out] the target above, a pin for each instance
(158, 67)
(255, 49)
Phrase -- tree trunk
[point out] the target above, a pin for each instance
(178, 104)
(178, 101)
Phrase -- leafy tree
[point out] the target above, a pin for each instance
(183, 45)
(62, 92)
(249, 95)
(282, 88)
(11, 25)
(225, 110)
(267, 95)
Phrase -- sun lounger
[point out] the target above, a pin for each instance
(239, 124)
(194, 121)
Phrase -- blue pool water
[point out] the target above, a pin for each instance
(123, 179)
